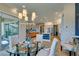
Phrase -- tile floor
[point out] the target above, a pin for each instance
(4, 53)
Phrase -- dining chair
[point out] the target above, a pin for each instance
(53, 48)
(49, 51)
(68, 45)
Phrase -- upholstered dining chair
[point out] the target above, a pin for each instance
(49, 51)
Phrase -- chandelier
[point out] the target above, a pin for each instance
(24, 15)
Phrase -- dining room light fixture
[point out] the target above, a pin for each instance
(24, 15)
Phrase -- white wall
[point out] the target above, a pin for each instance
(0, 26)
(68, 22)
(22, 32)
(48, 26)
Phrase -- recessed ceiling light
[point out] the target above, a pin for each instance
(23, 6)
(56, 13)
(45, 17)
(14, 10)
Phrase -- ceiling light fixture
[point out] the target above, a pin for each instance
(24, 15)
(14, 10)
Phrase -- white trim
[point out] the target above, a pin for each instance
(8, 14)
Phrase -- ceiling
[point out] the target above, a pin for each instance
(44, 11)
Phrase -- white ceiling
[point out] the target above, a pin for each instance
(44, 11)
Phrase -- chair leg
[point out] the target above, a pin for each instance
(70, 52)
(74, 53)
(61, 48)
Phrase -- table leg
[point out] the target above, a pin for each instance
(18, 54)
(28, 54)
(14, 54)
(10, 53)
(36, 49)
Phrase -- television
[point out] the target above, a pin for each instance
(46, 37)
(43, 37)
